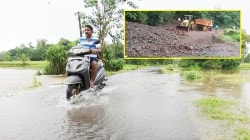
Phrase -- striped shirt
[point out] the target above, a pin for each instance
(89, 44)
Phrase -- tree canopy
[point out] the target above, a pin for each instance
(222, 18)
(105, 17)
(35, 53)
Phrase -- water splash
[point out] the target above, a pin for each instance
(90, 98)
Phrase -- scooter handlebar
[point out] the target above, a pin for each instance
(79, 51)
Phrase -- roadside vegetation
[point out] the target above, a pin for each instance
(224, 19)
(39, 65)
(231, 35)
(126, 67)
(244, 66)
(243, 134)
(35, 83)
(221, 109)
(236, 118)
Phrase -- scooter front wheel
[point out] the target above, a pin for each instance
(72, 90)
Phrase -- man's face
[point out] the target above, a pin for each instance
(87, 32)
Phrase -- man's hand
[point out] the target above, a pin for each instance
(92, 51)
(95, 51)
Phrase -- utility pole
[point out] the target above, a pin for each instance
(79, 20)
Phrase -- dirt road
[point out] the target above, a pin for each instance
(166, 41)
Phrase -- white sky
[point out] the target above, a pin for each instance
(24, 21)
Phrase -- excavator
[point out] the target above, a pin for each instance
(187, 24)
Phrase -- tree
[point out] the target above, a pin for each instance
(24, 58)
(223, 18)
(136, 16)
(7, 57)
(106, 15)
(153, 18)
(39, 53)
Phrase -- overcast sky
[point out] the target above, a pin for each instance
(24, 21)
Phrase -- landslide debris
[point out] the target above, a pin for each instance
(165, 41)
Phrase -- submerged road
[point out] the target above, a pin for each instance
(141, 104)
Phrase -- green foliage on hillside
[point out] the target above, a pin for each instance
(225, 19)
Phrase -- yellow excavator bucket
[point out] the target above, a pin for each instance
(182, 28)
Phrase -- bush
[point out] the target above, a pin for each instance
(211, 64)
(112, 55)
(230, 63)
(193, 75)
(131, 16)
(56, 55)
(115, 64)
(187, 63)
(48, 69)
(231, 35)
(236, 37)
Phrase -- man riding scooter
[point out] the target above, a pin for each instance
(88, 43)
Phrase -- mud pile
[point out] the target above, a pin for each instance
(165, 41)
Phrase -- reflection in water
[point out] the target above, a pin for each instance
(84, 122)
(227, 84)
(85, 115)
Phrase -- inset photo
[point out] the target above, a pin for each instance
(182, 34)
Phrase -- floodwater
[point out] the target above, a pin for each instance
(141, 104)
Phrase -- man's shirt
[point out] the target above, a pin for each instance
(89, 44)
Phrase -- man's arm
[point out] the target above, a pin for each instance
(96, 51)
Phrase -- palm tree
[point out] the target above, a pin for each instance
(24, 58)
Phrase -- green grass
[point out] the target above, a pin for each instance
(35, 83)
(220, 109)
(211, 77)
(40, 65)
(19, 64)
(170, 68)
(243, 134)
(230, 38)
(126, 67)
(244, 66)
(231, 35)
(193, 75)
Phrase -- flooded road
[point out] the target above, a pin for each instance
(141, 104)
(18, 81)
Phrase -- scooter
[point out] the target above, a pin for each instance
(78, 72)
